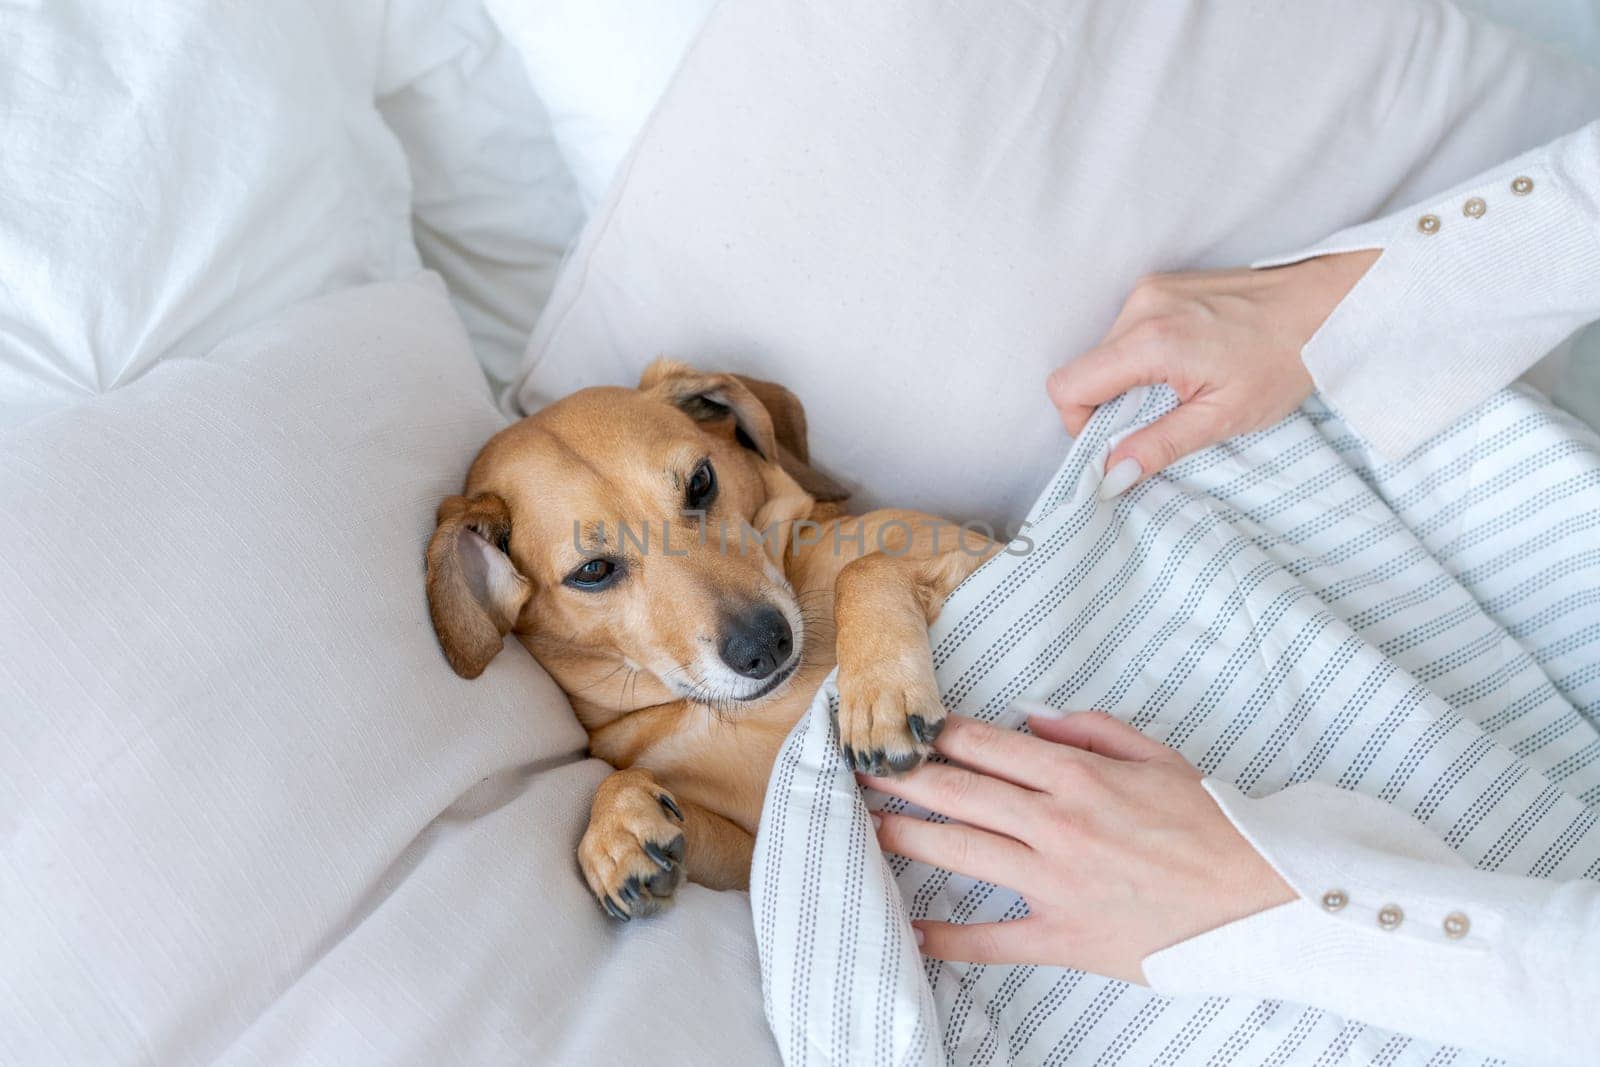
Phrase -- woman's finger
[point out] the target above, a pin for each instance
(957, 847)
(1106, 371)
(1102, 734)
(1189, 427)
(1018, 941)
(961, 794)
(1007, 754)
(1060, 388)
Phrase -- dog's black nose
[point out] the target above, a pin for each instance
(757, 642)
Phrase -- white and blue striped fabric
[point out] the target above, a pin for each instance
(1281, 609)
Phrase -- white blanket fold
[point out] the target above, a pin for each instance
(1280, 609)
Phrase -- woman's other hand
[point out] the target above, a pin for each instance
(1228, 342)
(1108, 835)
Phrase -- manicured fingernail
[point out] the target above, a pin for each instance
(1119, 478)
(916, 932)
(877, 820)
(1038, 709)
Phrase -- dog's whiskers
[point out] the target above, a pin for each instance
(622, 692)
(602, 679)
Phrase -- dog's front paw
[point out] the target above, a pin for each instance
(632, 853)
(889, 711)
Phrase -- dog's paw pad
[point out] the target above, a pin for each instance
(632, 855)
(889, 716)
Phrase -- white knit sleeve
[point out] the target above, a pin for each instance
(1473, 287)
(1394, 929)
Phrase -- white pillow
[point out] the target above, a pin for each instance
(911, 215)
(175, 170)
(1571, 26)
(603, 64)
(599, 66)
(494, 205)
(247, 811)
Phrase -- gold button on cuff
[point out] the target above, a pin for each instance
(1456, 926)
(1428, 224)
(1334, 899)
(1474, 208)
(1390, 917)
(1522, 186)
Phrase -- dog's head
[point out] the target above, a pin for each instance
(619, 526)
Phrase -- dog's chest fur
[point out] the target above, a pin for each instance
(720, 761)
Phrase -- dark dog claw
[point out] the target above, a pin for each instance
(901, 764)
(616, 912)
(658, 854)
(630, 890)
(671, 806)
(923, 730)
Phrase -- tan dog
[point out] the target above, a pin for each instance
(609, 533)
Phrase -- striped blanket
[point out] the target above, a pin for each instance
(1284, 608)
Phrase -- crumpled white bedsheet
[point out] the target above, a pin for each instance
(1283, 608)
(174, 172)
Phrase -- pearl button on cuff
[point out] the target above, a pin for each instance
(1334, 899)
(1456, 926)
(1474, 208)
(1428, 224)
(1522, 186)
(1390, 917)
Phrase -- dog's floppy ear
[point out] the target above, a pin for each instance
(474, 591)
(769, 417)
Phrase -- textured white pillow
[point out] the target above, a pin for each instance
(175, 170)
(494, 207)
(247, 811)
(599, 67)
(1572, 26)
(910, 214)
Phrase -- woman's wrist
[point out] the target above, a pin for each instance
(1247, 883)
(1326, 281)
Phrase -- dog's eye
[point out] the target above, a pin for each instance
(593, 574)
(702, 486)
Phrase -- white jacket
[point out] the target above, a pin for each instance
(1392, 927)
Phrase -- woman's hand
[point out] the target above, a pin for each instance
(1228, 343)
(1108, 835)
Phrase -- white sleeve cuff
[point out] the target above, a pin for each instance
(1472, 288)
(1394, 929)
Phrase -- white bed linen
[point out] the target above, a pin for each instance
(247, 811)
(1280, 609)
(494, 207)
(909, 214)
(599, 67)
(176, 170)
